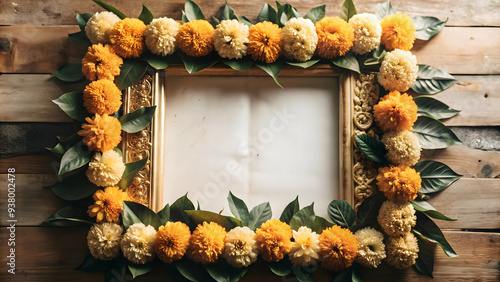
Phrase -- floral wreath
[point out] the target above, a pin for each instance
(393, 226)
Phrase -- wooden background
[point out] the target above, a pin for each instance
(33, 43)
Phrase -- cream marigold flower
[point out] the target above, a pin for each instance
(398, 71)
(99, 27)
(101, 133)
(299, 39)
(108, 204)
(398, 32)
(172, 241)
(371, 248)
(138, 243)
(399, 183)
(402, 147)
(105, 169)
(395, 112)
(274, 240)
(231, 39)
(100, 62)
(127, 38)
(207, 242)
(240, 248)
(195, 38)
(103, 240)
(265, 42)
(396, 218)
(102, 97)
(402, 251)
(305, 247)
(338, 248)
(367, 32)
(335, 37)
(160, 36)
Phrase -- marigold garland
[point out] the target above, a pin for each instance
(127, 38)
(265, 42)
(399, 183)
(108, 204)
(172, 241)
(274, 240)
(101, 133)
(335, 37)
(102, 97)
(100, 62)
(395, 111)
(338, 248)
(398, 32)
(195, 38)
(207, 242)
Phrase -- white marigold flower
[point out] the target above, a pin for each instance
(371, 248)
(160, 36)
(106, 169)
(231, 39)
(367, 32)
(299, 39)
(240, 247)
(305, 247)
(396, 218)
(99, 26)
(103, 240)
(402, 147)
(402, 251)
(398, 71)
(138, 243)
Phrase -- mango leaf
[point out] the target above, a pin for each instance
(76, 157)
(240, 64)
(80, 40)
(72, 104)
(71, 72)
(320, 224)
(425, 207)
(432, 134)
(146, 17)
(282, 267)
(228, 13)
(428, 230)
(348, 62)
(431, 80)
(222, 271)
(303, 65)
(341, 213)
(272, 69)
(304, 217)
(435, 176)
(238, 208)
(348, 10)
(82, 20)
(267, 13)
(139, 269)
(131, 71)
(74, 187)
(290, 210)
(164, 214)
(425, 260)
(192, 271)
(131, 169)
(198, 217)
(135, 213)
(427, 27)
(196, 64)
(215, 21)
(110, 8)
(137, 120)
(178, 208)
(433, 108)
(371, 147)
(246, 21)
(193, 11)
(184, 18)
(303, 273)
(285, 12)
(65, 144)
(384, 9)
(92, 265)
(368, 211)
(69, 216)
(259, 214)
(316, 13)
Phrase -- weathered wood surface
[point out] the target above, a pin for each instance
(34, 164)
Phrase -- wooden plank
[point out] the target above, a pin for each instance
(33, 12)
(34, 164)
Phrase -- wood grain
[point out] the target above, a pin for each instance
(34, 164)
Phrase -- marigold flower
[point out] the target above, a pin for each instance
(195, 38)
(274, 240)
(398, 32)
(231, 39)
(402, 251)
(101, 133)
(367, 32)
(207, 242)
(102, 97)
(108, 204)
(105, 169)
(338, 248)
(127, 38)
(299, 39)
(99, 27)
(395, 111)
(396, 218)
(398, 71)
(335, 37)
(160, 36)
(305, 247)
(100, 62)
(138, 243)
(399, 183)
(265, 42)
(241, 248)
(371, 248)
(103, 240)
(402, 147)
(172, 241)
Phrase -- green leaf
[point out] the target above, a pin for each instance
(137, 120)
(196, 64)
(135, 213)
(432, 134)
(178, 208)
(316, 13)
(69, 216)
(347, 62)
(368, 211)
(431, 80)
(228, 13)
(74, 187)
(71, 72)
(285, 12)
(116, 271)
(384, 9)
(320, 224)
(116, 149)
(425, 207)
(239, 65)
(110, 8)
(246, 21)
(343, 276)
(433, 108)
(146, 17)
(76, 157)
(348, 10)
(425, 261)
(428, 230)
(82, 20)
(65, 144)
(303, 65)
(259, 214)
(193, 11)
(72, 104)
(267, 13)
(238, 208)
(215, 21)
(192, 271)
(184, 18)
(222, 271)
(139, 269)
(427, 27)
(290, 210)
(435, 176)
(131, 71)
(92, 265)
(272, 69)
(282, 267)
(341, 213)
(131, 169)
(198, 217)
(303, 273)
(304, 217)
(371, 147)
(164, 214)
(80, 40)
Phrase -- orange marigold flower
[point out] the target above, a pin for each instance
(172, 241)
(395, 111)
(101, 62)
(207, 242)
(127, 38)
(339, 248)
(102, 97)
(274, 240)
(264, 42)
(195, 38)
(335, 37)
(398, 32)
(101, 133)
(399, 183)
(108, 204)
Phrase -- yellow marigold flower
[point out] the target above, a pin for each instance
(338, 248)
(398, 32)
(241, 248)
(395, 111)
(398, 71)
(402, 147)
(127, 38)
(101, 133)
(335, 37)
(265, 42)
(195, 38)
(106, 169)
(231, 39)
(402, 251)
(102, 97)
(371, 248)
(160, 36)
(396, 218)
(274, 240)
(305, 247)
(172, 241)
(138, 243)
(207, 242)
(101, 62)
(399, 183)
(99, 27)
(108, 204)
